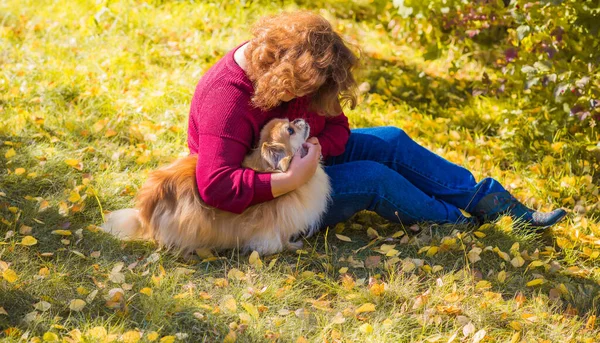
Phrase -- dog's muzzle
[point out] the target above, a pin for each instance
(301, 124)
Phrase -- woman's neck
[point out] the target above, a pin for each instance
(240, 58)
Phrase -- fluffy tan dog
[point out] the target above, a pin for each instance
(170, 211)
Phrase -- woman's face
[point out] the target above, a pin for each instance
(288, 96)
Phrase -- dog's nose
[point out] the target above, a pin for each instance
(299, 122)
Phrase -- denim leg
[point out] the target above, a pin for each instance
(368, 185)
(426, 171)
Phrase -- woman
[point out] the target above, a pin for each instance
(296, 66)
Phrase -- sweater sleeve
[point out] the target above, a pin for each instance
(334, 136)
(225, 133)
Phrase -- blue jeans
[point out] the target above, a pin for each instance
(385, 171)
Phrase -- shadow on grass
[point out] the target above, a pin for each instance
(409, 84)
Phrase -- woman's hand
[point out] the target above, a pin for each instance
(300, 171)
(313, 140)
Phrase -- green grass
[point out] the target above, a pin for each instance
(92, 99)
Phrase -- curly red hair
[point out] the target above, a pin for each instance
(300, 52)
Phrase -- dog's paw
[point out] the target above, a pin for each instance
(294, 245)
(264, 247)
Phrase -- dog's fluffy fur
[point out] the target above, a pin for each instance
(170, 211)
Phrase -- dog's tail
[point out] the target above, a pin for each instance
(124, 224)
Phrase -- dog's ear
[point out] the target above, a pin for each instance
(275, 156)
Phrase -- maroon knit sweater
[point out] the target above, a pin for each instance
(224, 126)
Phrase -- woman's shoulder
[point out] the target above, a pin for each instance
(226, 71)
(221, 86)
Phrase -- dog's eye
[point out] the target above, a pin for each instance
(290, 131)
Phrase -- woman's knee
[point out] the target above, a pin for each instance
(393, 133)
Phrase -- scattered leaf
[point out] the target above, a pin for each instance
(479, 335)
(535, 282)
(132, 336)
(343, 238)
(366, 328)
(338, 318)
(74, 196)
(251, 309)
(502, 276)
(62, 232)
(10, 153)
(42, 306)
(77, 305)
(147, 291)
(167, 339)
(372, 233)
(517, 262)
(10, 275)
(255, 260)
(229, 303)
(368, 307)
(29, 241)
(50, 337)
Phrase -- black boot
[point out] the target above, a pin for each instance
(494, 205)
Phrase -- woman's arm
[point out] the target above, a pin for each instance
(334, 136)
(224, 127)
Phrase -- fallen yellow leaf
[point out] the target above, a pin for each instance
(62, 232)
(229, 303)
(366, 328)
(77, 305)
(147, 291)
(72, 162)
(343, 238)
(517, 262)
(50, 337)
(452, 297)
(28, 241)
(535, 282)
(432, 251)
(483, 284)
(10, 153)
(152, 336)
(368, 307)
(132, 336)
(591, 322)
(515, 325)
(536, 264)
(97, 333)
(502, 276)
(254, 260)
(230, 338)
(372, 233)
(236, 274)
(74, 196)
(167, 339)
(251, 309)
(479, 234)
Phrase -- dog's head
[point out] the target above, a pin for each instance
(280, 139)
